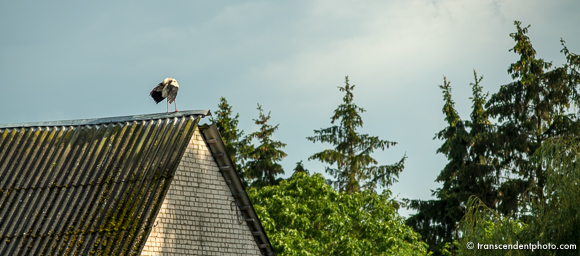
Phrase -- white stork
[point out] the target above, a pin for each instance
(166, 89)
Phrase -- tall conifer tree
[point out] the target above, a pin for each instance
(529, 110)
(355, 168)
(262, 166)
(227, 125)
(468, 172)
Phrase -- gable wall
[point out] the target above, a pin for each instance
(197, 216)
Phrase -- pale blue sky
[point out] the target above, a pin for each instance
(72, 60)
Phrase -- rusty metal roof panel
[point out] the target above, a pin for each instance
(85, 187)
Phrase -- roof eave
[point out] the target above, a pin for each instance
(214, 141)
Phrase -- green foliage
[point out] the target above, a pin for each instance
(554, 220)
(262, 166)
(354, 165)
(305, 216)
(557, 215)
(231, 135)
(483, 226)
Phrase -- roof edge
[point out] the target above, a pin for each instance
(107, 120)
(215, 144)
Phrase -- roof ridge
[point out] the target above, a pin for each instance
(107, 120)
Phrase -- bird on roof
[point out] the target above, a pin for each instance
(166, 89)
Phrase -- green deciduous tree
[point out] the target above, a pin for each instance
(557, 214)
(553, 220)
(262, 165)
(354, 165)
(482, 227)
(305, 216)
(227, 125)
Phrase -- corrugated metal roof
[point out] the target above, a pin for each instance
(85, 187)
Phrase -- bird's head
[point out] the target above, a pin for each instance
(170, 81)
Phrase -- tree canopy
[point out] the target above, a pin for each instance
(305, 216)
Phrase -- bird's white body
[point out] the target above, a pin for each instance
(170, 88)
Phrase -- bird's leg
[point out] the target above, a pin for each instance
(167, 106)
(175, 102)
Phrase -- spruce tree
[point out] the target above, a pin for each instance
(469, 171)
(299, 169)
(262, 166)
(354, 167)
(530, 110)
(231, 135)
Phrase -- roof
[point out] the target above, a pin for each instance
(89, 186)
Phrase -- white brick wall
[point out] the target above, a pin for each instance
(196, 217)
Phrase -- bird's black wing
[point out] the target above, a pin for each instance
(157, 93)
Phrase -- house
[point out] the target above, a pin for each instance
(157, 184)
